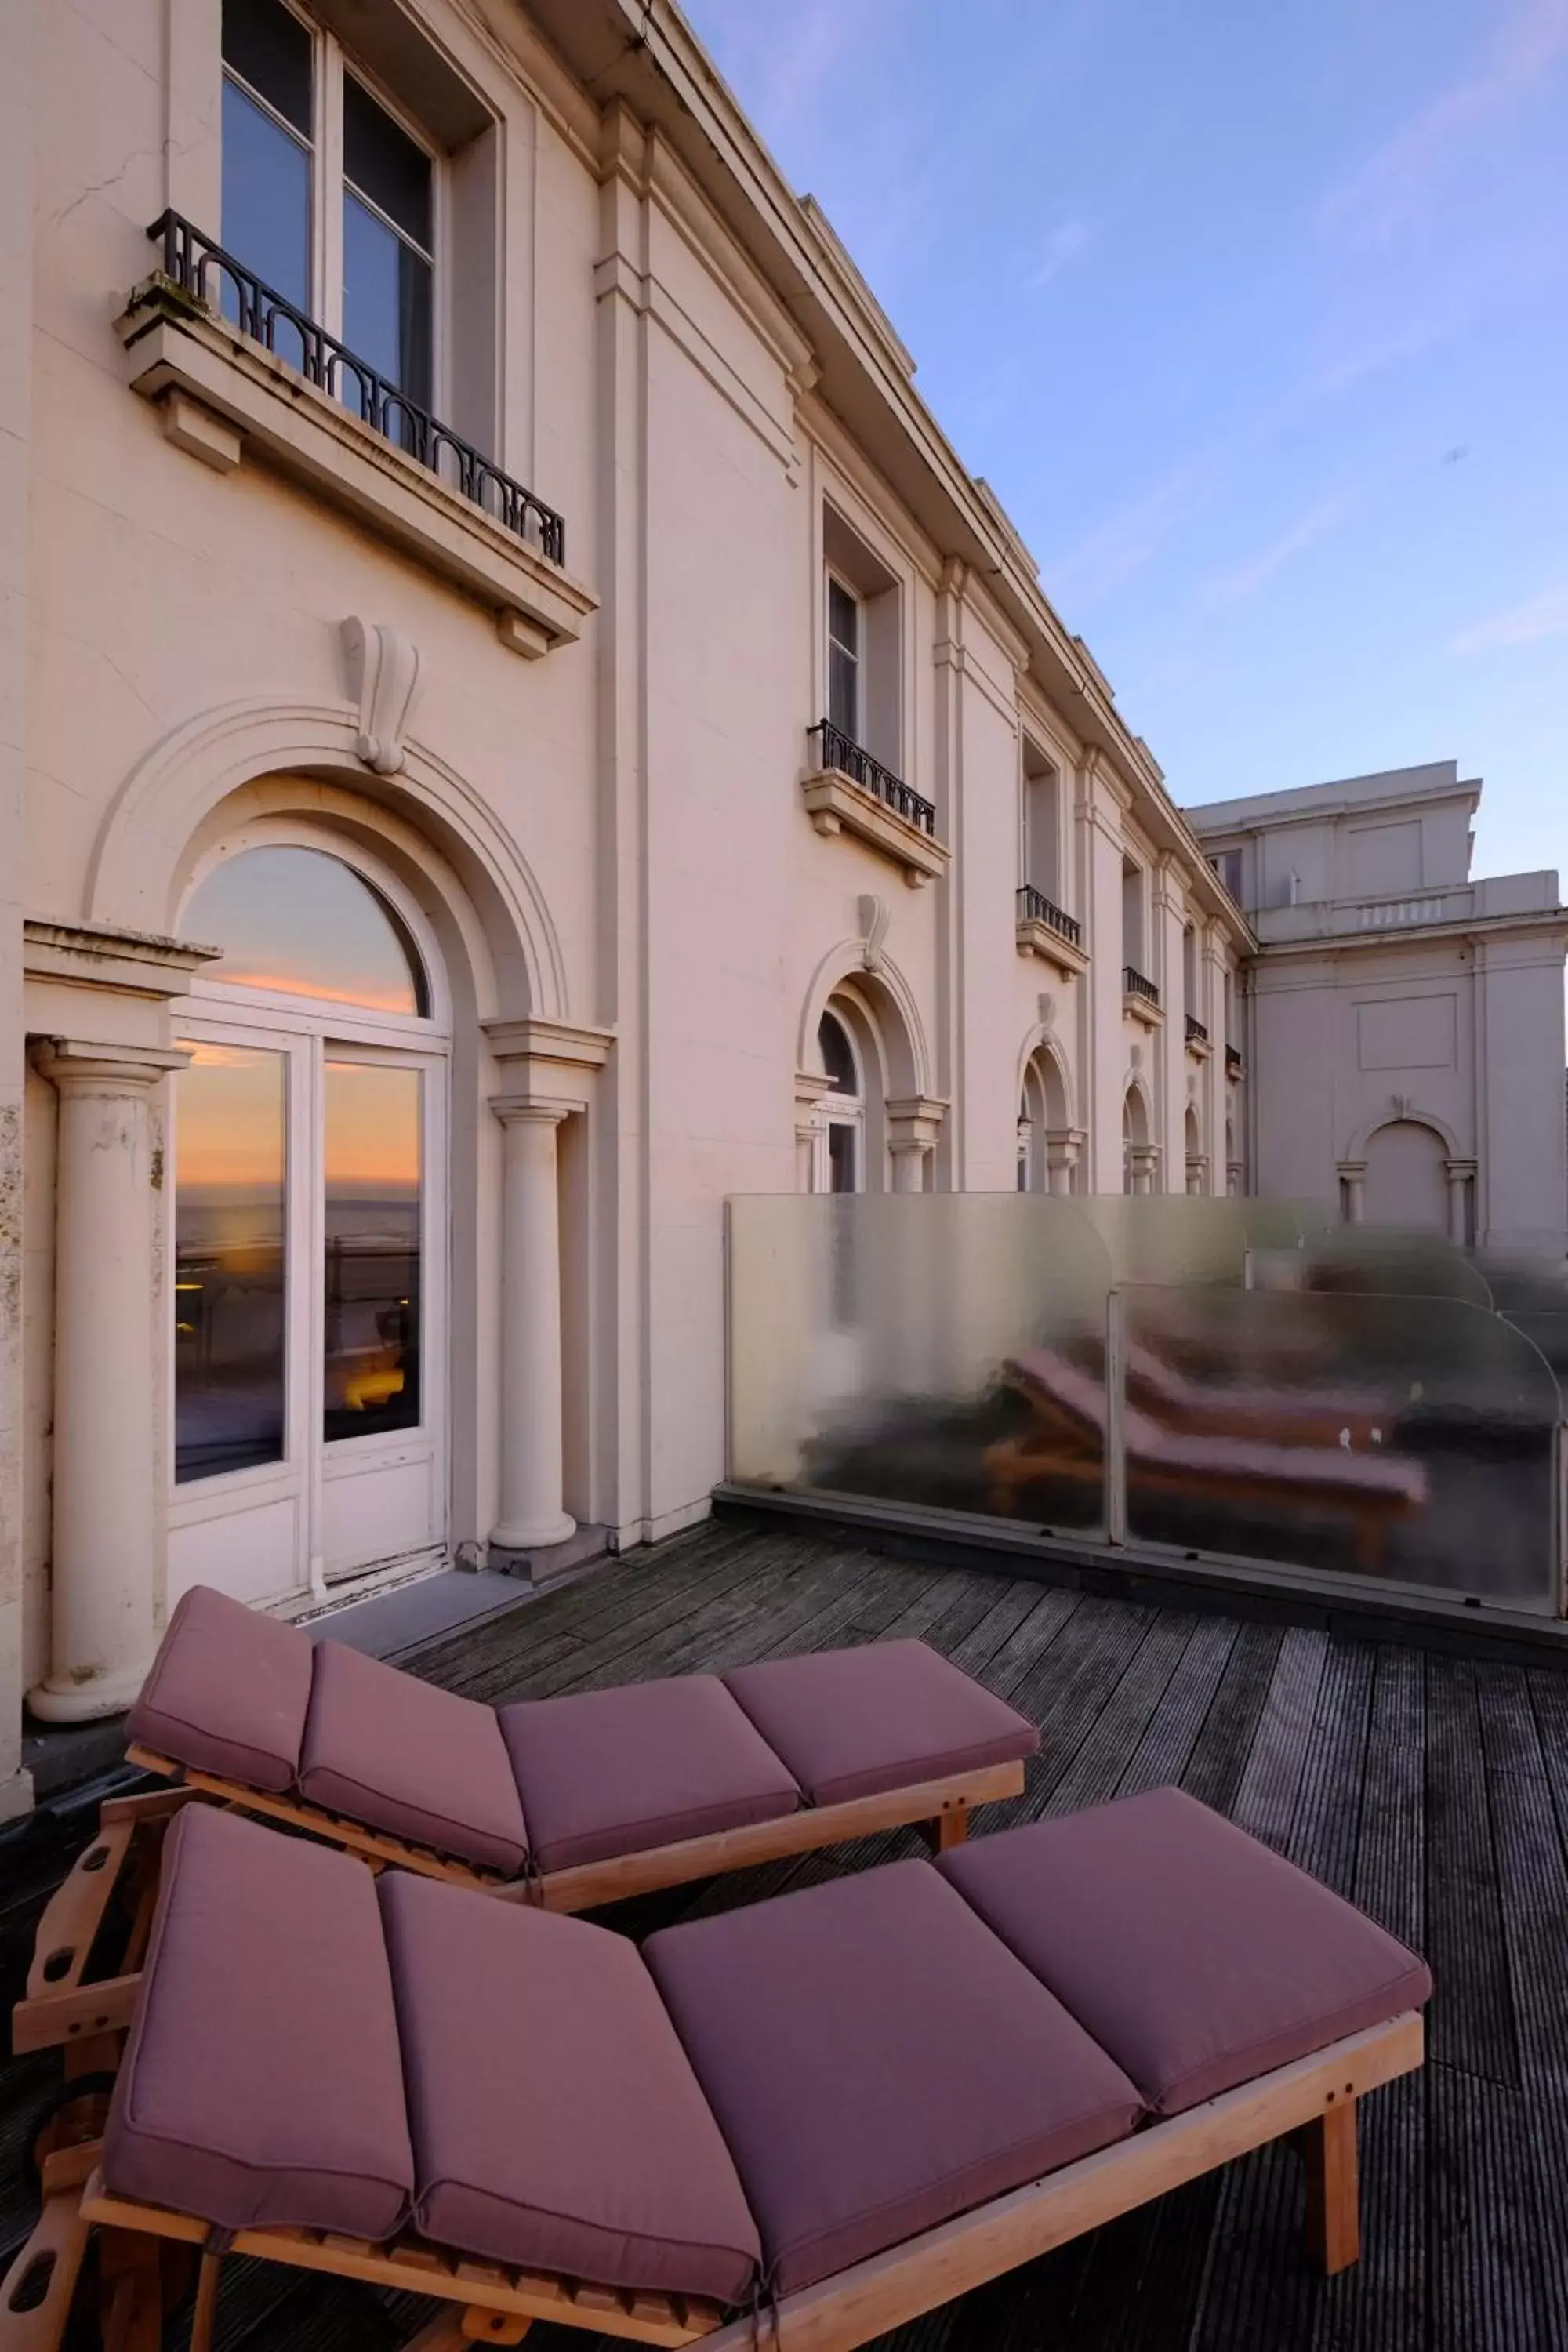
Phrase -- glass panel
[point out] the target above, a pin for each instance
(270, 46)
(837, 1054)
(265, 207)
(301, 923)
(386, 308)
(384, 163)
(945, 1349)
(843, 665)
(1408, 1439)
(230, 1318)
(372, 1249)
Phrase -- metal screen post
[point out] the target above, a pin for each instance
(1115, 1421)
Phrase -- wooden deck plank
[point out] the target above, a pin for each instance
(1435, 1792)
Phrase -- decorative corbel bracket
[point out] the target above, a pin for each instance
(382, 671)
(874, 918)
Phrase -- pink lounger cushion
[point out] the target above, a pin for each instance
(262, 2083)
(1195, 1955)
(402, 1756)
(855, 1723)
(617, 1771)
(878, 2063)
(556, 2119)
(227, 1692)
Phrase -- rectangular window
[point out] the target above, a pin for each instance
(388, 274)
(268, 156)
(230, 1310)
(1132, 917)
(1041, 820)
(842, 660)
(1227, 864)
(279, 192)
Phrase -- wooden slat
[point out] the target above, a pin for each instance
(406, 2265)
(85, 2010)
(75, 1912)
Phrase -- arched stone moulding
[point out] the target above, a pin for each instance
(140, 858)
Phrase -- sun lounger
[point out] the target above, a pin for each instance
(798, 2123)
(1068, 1440)
(568, 1801)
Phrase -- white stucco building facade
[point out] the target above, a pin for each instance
(441, 860)
(1404, 1023)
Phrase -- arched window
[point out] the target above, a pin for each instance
(1042, 1114)
(1406, 1178)
(1135, 1173)
(299, 922)
(310, 1152)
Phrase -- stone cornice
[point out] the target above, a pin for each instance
(129, 963)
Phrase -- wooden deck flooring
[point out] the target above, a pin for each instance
(1434, 1791)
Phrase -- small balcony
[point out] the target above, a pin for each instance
(848, 790)
(237, 372)
(1197, 1038)
(1140, 998)
(1044, 929)
(1234, 1068)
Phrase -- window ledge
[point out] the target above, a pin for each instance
(1200, 1049)
(218, 391)
(1152, 1016)
(837, 805)
(1038, 938)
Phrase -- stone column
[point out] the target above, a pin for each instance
(909, 1166)
(108, 1476)
(1353, 1177)
(531, 1415)
(1064, 1145)
(914, 1123)
(1145, 1167)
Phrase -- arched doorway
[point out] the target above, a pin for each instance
(1406, 1176)
(310, 1149)
(1042, 1116)
(1137, 1156)
(844, 1106)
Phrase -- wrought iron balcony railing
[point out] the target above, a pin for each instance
(1034, 907)
(838, 750)
(1134, 985)
(1196, 1034)
(1232, 1066)
(215, 279)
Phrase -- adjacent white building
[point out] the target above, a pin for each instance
(1404, 1024)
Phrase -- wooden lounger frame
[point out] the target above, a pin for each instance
(1312, 2101)
(64, 2008)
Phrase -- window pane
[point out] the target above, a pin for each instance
(385, 164)
(843, 618)
(387, 305)
(301, 923)
(837, 1054)
(373, 1258)
(843, 692)
(265, 202)
(271, 47)
(229, 1305)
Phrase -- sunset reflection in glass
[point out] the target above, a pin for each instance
(229, 1308)
(299, 923)
(372, 1249)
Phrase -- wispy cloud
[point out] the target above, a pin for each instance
(1245, 580)
(1392, 189)
(1129, 543)
(1067, 241)
(1539, 618)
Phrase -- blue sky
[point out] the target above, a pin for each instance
(1256, 317)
